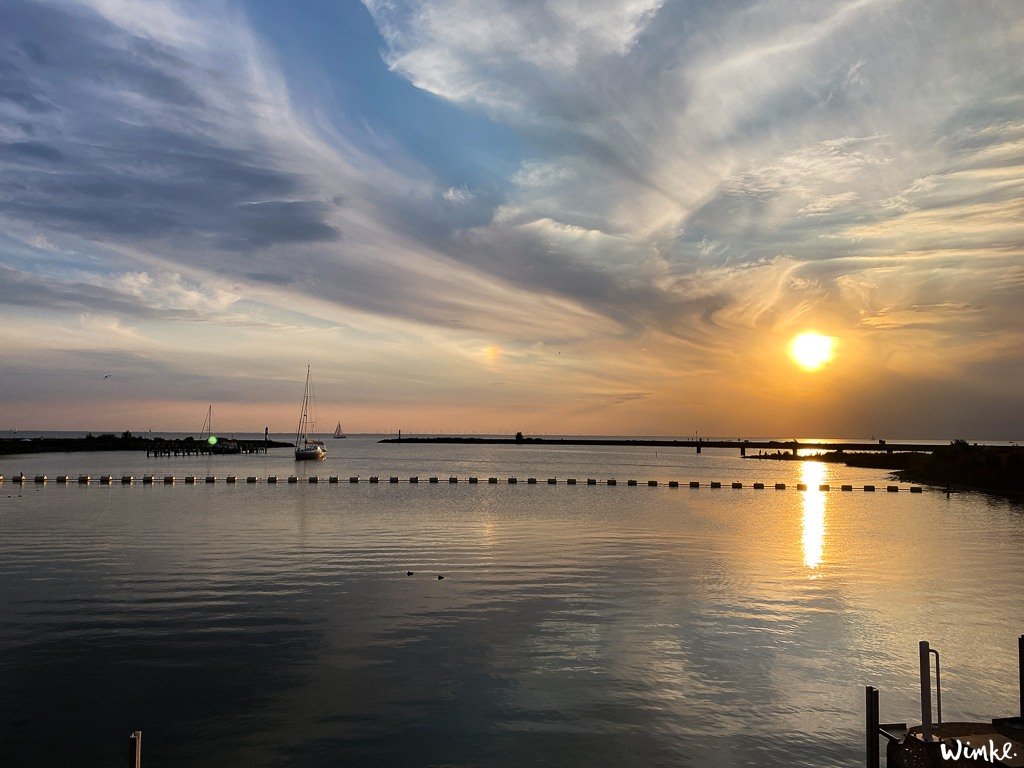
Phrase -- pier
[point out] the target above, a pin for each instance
(934, 743)
(190, 447)
(153, 446)
(782, 446)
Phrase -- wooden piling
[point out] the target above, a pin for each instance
(871, 727)
(1020, 670)
(135, 750)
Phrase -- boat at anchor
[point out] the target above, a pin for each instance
(338, 434)
(307, 447)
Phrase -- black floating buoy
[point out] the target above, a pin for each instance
(408, 573)
(440, 577)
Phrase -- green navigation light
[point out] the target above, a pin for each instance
(211, 440)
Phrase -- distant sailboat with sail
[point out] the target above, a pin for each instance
(306, 444)
(338, 434)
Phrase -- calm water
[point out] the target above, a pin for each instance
(576, 626)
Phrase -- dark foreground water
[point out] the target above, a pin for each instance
(575, 626)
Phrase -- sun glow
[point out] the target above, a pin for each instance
(812, 351)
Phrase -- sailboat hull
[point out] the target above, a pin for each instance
(310, 454)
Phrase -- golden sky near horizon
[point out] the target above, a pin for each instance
(614, 217)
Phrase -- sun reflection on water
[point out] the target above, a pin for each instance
(812, 473)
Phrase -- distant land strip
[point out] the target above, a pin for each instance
(783, 446)
(996, 469)
(124, 442)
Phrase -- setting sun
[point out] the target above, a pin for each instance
(811, 351)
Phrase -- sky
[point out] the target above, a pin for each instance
(549, 216)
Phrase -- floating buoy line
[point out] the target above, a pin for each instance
(22, 479)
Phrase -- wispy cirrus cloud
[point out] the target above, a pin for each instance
(700, 179)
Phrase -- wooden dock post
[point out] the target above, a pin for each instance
(135, 750)
(871, 726)
(926, 690)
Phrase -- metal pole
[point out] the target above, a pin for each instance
(926, 691)
(135, 750)
(871, 726)
(1020, 668)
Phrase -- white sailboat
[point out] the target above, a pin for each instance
(305, 446)
(338, 434)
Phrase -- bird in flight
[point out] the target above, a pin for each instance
(107, 376)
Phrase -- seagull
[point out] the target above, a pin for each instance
(107, 376)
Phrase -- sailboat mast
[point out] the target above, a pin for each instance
(300, 433)
(207, 429)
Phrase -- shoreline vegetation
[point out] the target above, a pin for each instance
(957, 466)
(123, 442)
